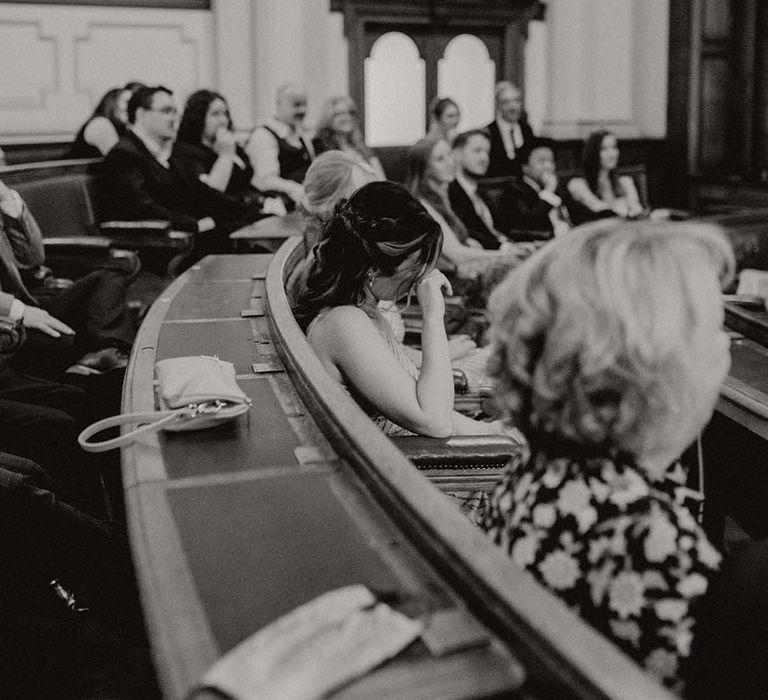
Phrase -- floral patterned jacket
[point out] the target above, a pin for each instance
(621, 549)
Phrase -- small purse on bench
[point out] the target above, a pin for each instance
(194, 392)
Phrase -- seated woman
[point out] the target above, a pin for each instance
(377, 246)
(332, 177)
(206, 149)
(104, 128)
(444, 118)
(600, 191)
(430, 170)
(338, 129)
(609, 353)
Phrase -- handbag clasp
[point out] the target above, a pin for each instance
(207, 408)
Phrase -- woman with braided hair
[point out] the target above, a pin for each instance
(379, 245)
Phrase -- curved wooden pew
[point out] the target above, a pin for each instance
(562, 655)
(234, 526)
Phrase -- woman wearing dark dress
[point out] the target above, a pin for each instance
(599, 191)
(609, 352)
(206, 149)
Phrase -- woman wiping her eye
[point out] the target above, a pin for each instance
(377, 246)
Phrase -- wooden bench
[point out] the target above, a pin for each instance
(268, 234)
(62, 197)
(235, 526)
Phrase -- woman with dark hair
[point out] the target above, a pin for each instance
(338, 129)
(206, 149)
(444, 118)
(378, 246)
(600, 192)
(104, 128)
(430, 171)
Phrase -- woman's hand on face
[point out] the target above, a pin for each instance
(225, 142)
(430, 295)
(620, 208)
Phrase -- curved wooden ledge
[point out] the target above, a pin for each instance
(564, 657)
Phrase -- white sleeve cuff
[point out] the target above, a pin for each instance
(17, 310)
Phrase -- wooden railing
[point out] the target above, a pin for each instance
(564, 657)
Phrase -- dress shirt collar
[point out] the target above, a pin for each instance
(508, 127)
(286, 131)
(532, 183)
(467, 184)
(160, 153)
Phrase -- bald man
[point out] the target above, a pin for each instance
(508, 132)
(280, 150)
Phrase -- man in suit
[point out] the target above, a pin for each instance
(143, 181)
(508, 131)
(471, 154)
(88, 316)
(532, 204)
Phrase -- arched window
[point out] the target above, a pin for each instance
(402, 55)
(394, 91)
(466, 74)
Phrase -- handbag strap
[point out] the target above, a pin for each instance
(157, 421)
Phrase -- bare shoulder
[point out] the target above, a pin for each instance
(100, 126)
(343, 322)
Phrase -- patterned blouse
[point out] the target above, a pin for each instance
(620, 548)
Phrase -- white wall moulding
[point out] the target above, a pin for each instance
(152, 53)
(30, 66)
(157, 4)
(59, 60)
(607, 66)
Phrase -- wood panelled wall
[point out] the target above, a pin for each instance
(718, 107)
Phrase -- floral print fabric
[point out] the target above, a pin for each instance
(621, 549)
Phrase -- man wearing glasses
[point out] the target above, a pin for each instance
(142, 181)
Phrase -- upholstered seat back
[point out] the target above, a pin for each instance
(61, 204)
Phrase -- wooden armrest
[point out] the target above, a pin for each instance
(72, 244)
(149, 224)
(146, 234)
(460, 462)
(75, 256)
(469, 451)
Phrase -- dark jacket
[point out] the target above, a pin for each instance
(465, 210)
(521, 208)
(136, 187)
(500, 165)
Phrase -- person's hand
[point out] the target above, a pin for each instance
(205, 224)
(429, 292)
(296, 192)
(620, 208)
(549, 182)
(224, 143)
(460, 346)
(660, 214)
(6, 194)
(40, 319)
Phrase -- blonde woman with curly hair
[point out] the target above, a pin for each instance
(609, 352)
